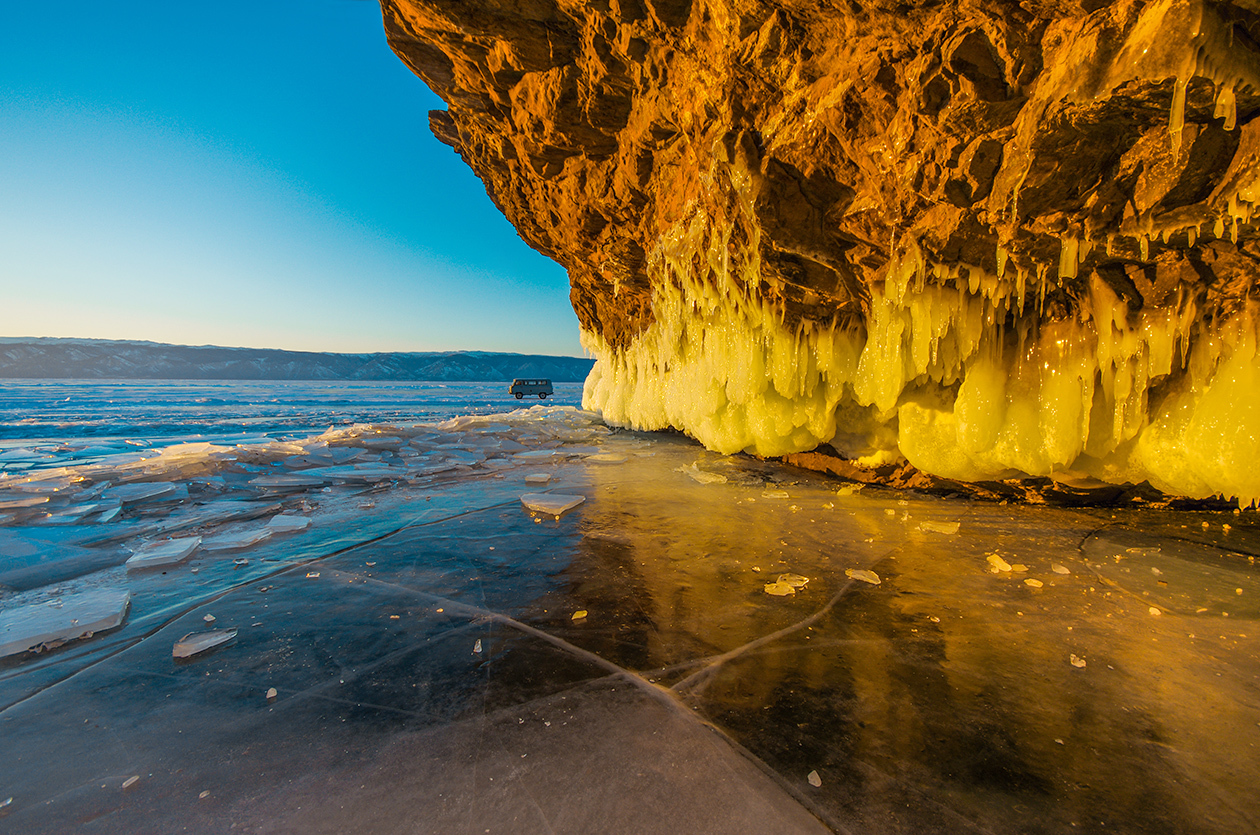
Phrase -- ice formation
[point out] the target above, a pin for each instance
(956, 368)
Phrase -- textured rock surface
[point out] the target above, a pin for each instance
(991, 237)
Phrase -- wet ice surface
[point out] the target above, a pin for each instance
(431, 655)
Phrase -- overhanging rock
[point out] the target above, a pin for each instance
(992, 238)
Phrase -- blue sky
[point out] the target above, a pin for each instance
(254, 173)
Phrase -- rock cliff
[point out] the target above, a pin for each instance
(990, 237)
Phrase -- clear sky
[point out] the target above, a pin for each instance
(247, 172)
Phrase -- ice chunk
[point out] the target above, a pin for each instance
(580, 614)
(235, 540)
(146, 492)
(22, 454)
(168, 552)
(864, 575)
(555, 504)
(1076, 660)
(780, 589)
(32, 558)
(769, 493)
(79, 616)
(939, 527)
(109, 515)
(607, 458)
(198, 642)
(25, 501)
(357, 472)
(288, 480)
(537, 478)
(1059, 569)
(1036, 584)
(997, 564)
(288, 524)
(382, 442)
(537, 455)
(700, 476)
(813, 779)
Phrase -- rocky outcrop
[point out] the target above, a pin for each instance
(990, 238)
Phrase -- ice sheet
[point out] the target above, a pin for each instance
(621, 643)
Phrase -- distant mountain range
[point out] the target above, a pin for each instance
(57, 358)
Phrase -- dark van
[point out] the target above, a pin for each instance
(520, 388)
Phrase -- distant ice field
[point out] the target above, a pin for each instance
(155, 412)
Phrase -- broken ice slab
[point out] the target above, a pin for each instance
(22, 454)
(537, 478)
(554, 504)
(167, 552)
(357, 472)
(236, 540)
(288, 524)
(382, 442)
(146, 492)
(197, 642)
(537, 455)
(24, 502)
(34, 557)
(607, 458)
(939, 527)
(700, 476)
(41, 625)
(289, 480)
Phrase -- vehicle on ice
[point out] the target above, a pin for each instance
(520, 388)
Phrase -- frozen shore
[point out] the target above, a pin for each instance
(703, 643)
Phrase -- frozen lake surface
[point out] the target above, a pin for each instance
(385, 637)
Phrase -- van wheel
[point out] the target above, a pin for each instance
(519, 395)
(542, 395)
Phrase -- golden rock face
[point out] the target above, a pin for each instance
(992, 238)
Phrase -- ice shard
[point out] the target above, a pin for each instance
(39, 625)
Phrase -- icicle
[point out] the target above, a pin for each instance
(1227, 105)
(1067, 256)
(1177, 118)
(1001, 260)
(1144, 246)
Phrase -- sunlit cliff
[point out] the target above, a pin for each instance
(991, 238)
